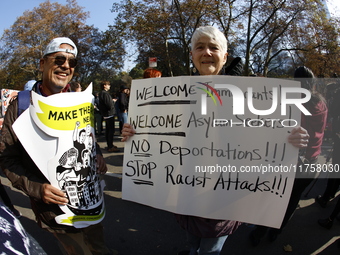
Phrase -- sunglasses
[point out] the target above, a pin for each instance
(60, 60)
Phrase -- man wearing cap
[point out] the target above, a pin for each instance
(57, 67)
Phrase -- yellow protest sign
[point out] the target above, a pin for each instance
(63, 118)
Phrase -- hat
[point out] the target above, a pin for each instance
(122, 87)
(54, 46)
(29, 85)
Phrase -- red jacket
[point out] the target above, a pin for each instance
(315, 125)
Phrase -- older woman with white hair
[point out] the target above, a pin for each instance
(209, 55)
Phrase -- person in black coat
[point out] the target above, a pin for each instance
(107, 109)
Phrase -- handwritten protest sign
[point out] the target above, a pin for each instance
(58, 134)
(192, 155)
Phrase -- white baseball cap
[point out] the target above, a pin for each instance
(54, 46)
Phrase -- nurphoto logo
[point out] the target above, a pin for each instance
(238, 99)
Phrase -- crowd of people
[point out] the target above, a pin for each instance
(209, 52)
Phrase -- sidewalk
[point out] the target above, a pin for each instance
(134, 229)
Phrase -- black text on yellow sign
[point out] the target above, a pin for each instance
(63, 118)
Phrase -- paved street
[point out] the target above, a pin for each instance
(134, 229)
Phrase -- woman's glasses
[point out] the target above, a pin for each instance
(60, 60)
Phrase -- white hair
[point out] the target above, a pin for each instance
(211, 32)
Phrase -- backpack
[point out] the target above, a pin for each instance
(24, 100)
